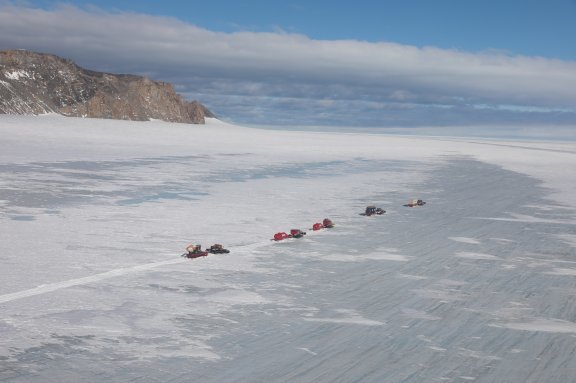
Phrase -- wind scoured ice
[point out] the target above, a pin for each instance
(477, 285)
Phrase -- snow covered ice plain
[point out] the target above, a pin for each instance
(478, 285)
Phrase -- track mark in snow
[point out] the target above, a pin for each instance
(47, 288)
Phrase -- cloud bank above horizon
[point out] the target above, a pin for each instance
(285, 78)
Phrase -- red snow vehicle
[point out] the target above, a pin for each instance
(297, 233)
(194, 251)
(197, 254)
(317, 226)
(280, 236)
(327, 223)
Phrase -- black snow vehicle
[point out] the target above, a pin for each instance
(373, 210)
(217, 249)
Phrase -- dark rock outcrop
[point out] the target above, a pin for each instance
(37, 83)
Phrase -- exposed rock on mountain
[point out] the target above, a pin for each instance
(37, 83)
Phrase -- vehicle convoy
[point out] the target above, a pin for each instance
(373, 210)
(194, 251)
(415, 202)
(217, 249)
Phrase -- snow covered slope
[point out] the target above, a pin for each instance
(477, 285)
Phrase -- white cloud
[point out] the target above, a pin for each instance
(284, 65)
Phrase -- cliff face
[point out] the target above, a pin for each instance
(36, 83)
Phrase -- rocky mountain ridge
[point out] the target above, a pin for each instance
(38, 83)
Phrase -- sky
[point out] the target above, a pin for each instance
(364, 63)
